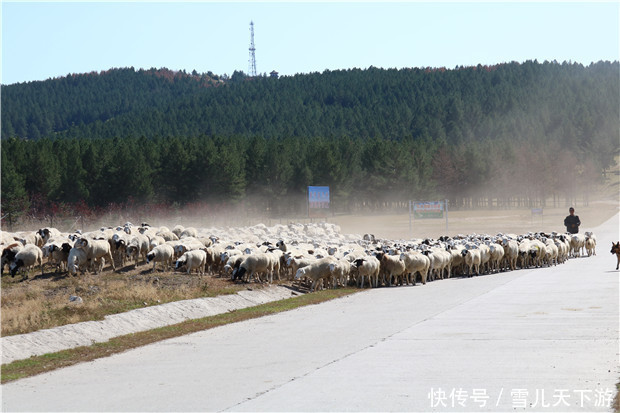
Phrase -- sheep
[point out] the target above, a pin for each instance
(551, 253)
(26, 258)
(189, 232)
(392, 266)
(76, 261)
(95, 250)
(299, 261)
(415, 262)
(590, 243)
(177, 230)
(46, 233)
(577, 243)
(317, 271)
(472, 260)
(497, 254)
(193, 260)
(524, 256)
(8, 254)
(187, 244)
(57, 253)
(163, 253)
(168, 235)
(155, 240)
(440, 260)
(138, 247)
(253, 264)
(537, 252)
(368, 266)
(340, 270)
(511, 253)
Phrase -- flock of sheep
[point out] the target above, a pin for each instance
(317, 253)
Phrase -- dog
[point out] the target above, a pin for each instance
(615, 249)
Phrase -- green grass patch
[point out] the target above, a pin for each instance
(40, 364)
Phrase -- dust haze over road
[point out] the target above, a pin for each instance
(541, 339)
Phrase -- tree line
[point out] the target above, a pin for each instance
(514, 134)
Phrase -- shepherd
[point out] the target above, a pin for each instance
(572, 222)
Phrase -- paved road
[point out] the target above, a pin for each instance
(543, 340)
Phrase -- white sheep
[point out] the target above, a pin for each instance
(415, 262)
(368, 266)
(163, 253)
(193, 260)
(96, 250)
(317, 271)
(496, 256)
(340, 270)
(511, 253)
(138, 247)
(472, 260)
(189, 232)
(590, 243)
(254, 264)
(27, 257)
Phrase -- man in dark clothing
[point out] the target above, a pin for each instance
(572, 222)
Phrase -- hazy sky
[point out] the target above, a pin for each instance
(48, 39)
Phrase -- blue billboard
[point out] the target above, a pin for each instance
(318, 197)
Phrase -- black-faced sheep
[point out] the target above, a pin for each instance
(27, 257)
(193, 260)
(163, 253)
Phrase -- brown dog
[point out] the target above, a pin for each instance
(615, 249)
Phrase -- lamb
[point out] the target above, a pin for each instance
(163, 253)
(138, 247)
(317, 271)
(26, 258)
(95, 250)
(415, 262)
(368, 266)
(193, 260)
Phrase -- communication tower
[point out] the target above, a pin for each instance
(252, 50)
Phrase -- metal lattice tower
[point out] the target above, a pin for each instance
(252, 50)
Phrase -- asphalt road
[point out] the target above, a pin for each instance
(536, 340)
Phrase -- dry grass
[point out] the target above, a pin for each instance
(43, 301)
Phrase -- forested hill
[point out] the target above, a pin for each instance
(509, 135)
(567, 101)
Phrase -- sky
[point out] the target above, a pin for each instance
(42, 40)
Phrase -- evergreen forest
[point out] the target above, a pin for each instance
(514, 134)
